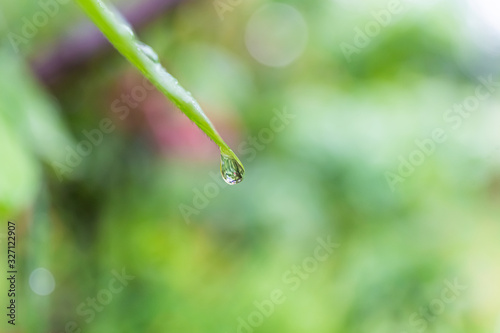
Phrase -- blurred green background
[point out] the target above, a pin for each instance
(418, 253)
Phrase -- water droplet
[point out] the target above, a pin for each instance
(149, 52)
(128, 29)
(231, 170)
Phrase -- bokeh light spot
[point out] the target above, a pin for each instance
(42, 281)
(276, 35)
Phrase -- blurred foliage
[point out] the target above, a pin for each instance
(323, 175)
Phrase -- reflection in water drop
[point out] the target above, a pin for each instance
(148, 51)
(231, 170)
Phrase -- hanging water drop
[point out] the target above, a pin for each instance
(148, 51)
(231, 170)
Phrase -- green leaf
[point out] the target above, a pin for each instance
(121, 35)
